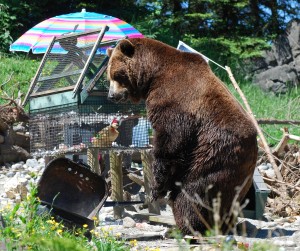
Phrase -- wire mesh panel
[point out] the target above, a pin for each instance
(97, 123)
(63, 69)
(114, 125)
(49, 128)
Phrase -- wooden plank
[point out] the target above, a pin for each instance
(143, 236)
(116, 182)
(162, 219)
(58, 90)
(148, 177)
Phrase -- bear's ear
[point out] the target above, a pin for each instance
(126, 47)
(109, 51)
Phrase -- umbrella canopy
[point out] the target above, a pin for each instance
(39, 37)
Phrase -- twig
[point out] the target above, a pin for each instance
(266, 146)
(284, 183)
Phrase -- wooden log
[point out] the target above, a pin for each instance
(148, 177)
(116, 182)
(92, 159)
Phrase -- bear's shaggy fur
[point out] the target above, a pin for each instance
(204, 141)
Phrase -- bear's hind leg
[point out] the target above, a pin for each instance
(189, 215)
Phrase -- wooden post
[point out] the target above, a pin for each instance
(148, 177)
(116, 181)
(92, 159)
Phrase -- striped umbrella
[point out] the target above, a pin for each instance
(39, 37)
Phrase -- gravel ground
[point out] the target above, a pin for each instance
(283, 232)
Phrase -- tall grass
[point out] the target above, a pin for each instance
(270, 106)
(18, 70)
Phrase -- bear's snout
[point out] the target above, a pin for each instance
(121, 96)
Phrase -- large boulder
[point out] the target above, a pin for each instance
(279, 68)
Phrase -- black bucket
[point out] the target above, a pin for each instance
(72, 191)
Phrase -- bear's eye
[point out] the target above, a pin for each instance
(121, 78)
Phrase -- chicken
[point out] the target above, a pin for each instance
(107, 135)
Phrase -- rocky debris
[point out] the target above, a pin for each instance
(15, 180)
(279, 68)
(284, 199)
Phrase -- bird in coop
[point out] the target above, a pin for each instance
(107, 135)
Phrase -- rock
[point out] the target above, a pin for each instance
(277, 79)
(128, 222)
(16, 186)
(41, 161)
(293, 31)
(19, 128)
(17, 166)
(270, 173)
(10, 174)
(32, 163)
(282, 50)
(279, 68)
(263, 167)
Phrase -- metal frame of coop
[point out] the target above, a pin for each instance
(68, 103)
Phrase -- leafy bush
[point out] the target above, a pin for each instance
(8, 23)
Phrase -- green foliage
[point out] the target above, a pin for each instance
(264, 246)
(225, 50)
(269, 106)
(8, 23)
(27, 229)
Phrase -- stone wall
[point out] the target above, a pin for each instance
(279, 68)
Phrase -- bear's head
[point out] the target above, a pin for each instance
(123, 81)
(132, 67)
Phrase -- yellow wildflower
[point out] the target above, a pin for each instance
(85, 225)
(133, 243)
(59, 231)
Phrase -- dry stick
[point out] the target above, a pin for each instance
(277, 121)
(284, 183)
(267, 149)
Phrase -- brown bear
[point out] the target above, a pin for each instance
(204, 144)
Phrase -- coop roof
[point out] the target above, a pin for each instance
(75, 68)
